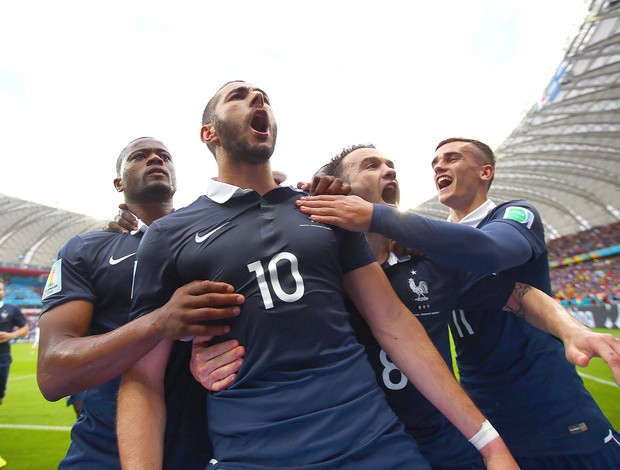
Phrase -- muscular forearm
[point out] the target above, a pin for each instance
(543, 312)
(78, 363)
(21, 332)
(455, 245)
(408, 345)
(141, 413)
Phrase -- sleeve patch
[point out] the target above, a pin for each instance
(54, 280)
(520, 214)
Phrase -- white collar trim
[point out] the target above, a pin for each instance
(475, 217)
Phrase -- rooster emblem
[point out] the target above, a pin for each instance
(419, 290)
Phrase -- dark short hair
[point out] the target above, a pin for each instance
(122, 155)
(334, 166)
(484, 148)
(209, 111)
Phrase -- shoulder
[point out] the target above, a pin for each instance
(517, 210)
(14, 308)
(180, 216)
(86, 245)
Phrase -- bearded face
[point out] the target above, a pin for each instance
(241, 148)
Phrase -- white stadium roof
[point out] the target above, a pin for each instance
(564, 156)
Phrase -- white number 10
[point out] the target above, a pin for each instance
(257, 267)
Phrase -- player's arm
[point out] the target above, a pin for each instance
(6, 336)
(493, 248)
(141, 412)
(70, 361)
(581, 343)
(404, 339)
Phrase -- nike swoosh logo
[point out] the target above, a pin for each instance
(202, 238)
(116, 261)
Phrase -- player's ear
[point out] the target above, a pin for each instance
(118, 184)
(208, 134)
(487, 172)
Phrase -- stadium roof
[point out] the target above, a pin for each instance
(564, 156)
(31, 234)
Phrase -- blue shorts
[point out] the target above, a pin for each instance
(606, 458)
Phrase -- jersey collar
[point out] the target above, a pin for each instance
(393, 259)
(475, 217)
(222, 192)
(141, 228)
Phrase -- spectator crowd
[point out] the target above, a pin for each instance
(595, 280)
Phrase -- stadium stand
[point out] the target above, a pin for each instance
(585, 266)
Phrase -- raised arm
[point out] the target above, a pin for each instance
(493, 248)
(141, 413)
(581, 343)
(70, 361)
(404, 339)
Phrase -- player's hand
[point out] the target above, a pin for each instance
(5, 337)
(124, 222)
(216, 367)
(584, 344)
(325, 185)
(347, 212)
(193, 305)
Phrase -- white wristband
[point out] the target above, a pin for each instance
(486, 434)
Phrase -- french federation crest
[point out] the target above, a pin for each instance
(420, 289)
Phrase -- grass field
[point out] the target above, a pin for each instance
(35, 433)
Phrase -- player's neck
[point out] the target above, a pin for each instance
(149, 212)
(247, 176)
(463, 208)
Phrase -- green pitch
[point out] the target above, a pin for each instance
(35, 433)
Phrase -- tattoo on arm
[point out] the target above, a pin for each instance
(518, 293)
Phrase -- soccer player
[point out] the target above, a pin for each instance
(517, 374)
(85, 341)
(13, 325)
(306, 394)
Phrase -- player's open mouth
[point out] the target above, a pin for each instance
(260, 122)
(444, 182)
(390, 193)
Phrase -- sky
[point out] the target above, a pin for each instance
(79, 80)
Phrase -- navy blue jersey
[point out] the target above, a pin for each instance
(431, 292)
(305, 393)
(519, 375)
(98, 267)
(11, 317)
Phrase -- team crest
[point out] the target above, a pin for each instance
(420, 289)
(54, 280)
